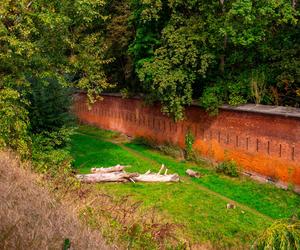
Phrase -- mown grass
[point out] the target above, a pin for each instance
(265, 198)
(197, 204)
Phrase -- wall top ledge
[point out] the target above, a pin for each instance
(266, 109)
(253, 108)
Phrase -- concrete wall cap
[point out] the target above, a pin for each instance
(266, 109)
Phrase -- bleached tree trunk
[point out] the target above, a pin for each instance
(117, 168)
(156, 178)
(116, 174)
(106, 177)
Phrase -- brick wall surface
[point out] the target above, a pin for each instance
(262, 143)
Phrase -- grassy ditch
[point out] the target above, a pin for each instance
(195, 207)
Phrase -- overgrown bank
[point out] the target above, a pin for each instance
(30, 216)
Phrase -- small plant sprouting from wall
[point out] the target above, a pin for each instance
(189, 142)
(229, 168)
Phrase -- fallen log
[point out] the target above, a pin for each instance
(106, 177)
(126, 177)
(156, 178)
(117, 168)
(193, 173)
(117, 174)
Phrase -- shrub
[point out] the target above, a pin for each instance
(14, 121)
(212, 98)
(189, 141)
(282, 234)
(258, 86)
(50, 151)
(229, 168)
(122, 218)
(50, 103)
(237, 93)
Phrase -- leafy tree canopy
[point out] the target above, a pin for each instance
(46, 46)
(218, 51)
(171, 51)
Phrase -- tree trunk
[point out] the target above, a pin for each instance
(117, 168)
(156, 178)
(116, 174)
(106, 177)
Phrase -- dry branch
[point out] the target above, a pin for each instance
(161, 169)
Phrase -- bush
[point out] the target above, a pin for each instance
(229, 168)
(237, 93)
(50, 151)
(189, 142)
(282, 234)
(212, 99)
(14, 121)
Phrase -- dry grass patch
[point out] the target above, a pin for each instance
(31, 219)
(122, 218)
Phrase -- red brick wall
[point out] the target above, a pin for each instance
(266, 144)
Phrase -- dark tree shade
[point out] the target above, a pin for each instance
(50, 105)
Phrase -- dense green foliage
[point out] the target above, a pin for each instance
(49, 107)
(223, 51)
(46, 48)
(189, 142)
(229, 168)
(169, 51)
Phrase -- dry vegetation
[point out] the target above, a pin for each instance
(122, 219)
(31, 219)
(44, 212)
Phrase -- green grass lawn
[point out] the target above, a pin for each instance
(198, 204)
